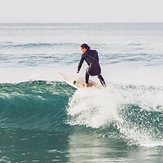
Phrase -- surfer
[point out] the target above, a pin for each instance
(92, 59)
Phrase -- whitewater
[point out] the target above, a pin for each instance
(42, 119)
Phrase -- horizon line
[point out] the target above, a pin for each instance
(75, 22)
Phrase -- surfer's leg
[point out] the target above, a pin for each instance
(86, 77)
(102, 80)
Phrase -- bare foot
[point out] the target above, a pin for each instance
(85, 85)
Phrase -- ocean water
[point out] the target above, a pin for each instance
(42, 119)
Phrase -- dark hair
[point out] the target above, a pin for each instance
(85, 46)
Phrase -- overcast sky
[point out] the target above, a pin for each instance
(51, 11)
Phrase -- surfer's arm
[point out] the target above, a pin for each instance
(80, 64)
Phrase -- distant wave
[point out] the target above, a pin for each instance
(5, 45)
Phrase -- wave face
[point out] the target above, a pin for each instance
(34, 105)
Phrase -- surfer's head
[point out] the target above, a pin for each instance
(84, 48)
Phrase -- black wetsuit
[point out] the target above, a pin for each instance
(92, 59)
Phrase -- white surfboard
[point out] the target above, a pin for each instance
(78, 82)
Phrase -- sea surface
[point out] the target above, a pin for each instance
(43, 119)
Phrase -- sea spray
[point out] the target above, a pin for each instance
(94, 107)
(127, 109)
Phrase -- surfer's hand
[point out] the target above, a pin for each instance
(77, 71)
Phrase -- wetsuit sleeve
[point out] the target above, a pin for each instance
(80, 63)
(97, 57)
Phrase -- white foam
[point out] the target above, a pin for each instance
(114, 74)
(22, 74)
(93, 107)
(15, 75)
(149, 76)
(98, 108)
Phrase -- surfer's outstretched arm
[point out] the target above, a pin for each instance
(80, 64)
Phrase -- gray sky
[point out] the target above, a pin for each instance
(51, 11)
